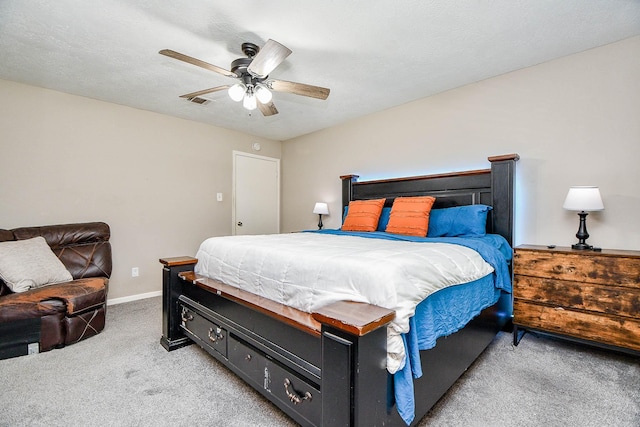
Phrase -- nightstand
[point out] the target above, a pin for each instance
(586, 296)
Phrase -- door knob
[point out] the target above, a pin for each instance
(239, 223)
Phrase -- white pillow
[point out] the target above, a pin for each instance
(30, 263)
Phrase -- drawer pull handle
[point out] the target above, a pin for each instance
(293, 395)
(217, 336)
(186, 316)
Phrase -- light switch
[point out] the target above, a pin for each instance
(219, 197)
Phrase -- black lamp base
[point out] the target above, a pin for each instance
(582, 234)
(320, 222)
(582, 247)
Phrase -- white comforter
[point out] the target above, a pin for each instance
(309, 270)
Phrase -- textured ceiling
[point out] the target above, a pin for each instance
(373, 54)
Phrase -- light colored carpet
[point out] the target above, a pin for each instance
(123, 377)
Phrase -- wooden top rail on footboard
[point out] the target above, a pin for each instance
(355, 318)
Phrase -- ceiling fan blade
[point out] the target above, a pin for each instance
(268, 109)
(268, 58)
(299, 89)
(204, 91)
(194, 61)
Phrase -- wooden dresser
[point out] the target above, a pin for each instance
(588, 296)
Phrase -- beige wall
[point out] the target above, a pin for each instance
(574, 121)
(151, 177)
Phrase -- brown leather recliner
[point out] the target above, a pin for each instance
(57, 315)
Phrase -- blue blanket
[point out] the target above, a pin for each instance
(429, 323)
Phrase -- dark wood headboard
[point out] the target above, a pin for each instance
(494, 187)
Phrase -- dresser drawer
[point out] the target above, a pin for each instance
(611, 330)
(615, 300)
(210, 335)
(276, 381)
(586, 267)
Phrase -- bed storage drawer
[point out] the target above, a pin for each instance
(207, 333)
(286, 389)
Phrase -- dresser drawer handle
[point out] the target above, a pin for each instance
(293, 395)
(186, 316)
(217, 336)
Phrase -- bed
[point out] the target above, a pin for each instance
(329, 364)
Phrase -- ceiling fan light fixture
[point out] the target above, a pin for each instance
(250, 102)
(251, 73)
(237, 91)
(263, 94)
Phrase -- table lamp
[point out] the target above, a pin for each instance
(320, 209)
(583, 199)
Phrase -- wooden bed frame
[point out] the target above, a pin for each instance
(328, 368)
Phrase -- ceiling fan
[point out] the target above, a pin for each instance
(254, 86)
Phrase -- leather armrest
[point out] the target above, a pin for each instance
(66, 298)
(78, 295)
(22, 306)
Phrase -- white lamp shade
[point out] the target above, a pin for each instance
(263, 94)
(250, 102)
(321, 209)
(583, 199)
(236, 92)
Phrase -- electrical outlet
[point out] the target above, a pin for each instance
(135, 272)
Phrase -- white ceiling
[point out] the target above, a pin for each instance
(372, 54)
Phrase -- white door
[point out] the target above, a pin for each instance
(256, 194)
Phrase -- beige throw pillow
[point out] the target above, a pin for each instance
(30, 263)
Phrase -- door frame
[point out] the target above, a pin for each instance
(235, 154)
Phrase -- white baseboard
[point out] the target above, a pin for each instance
(115, 301)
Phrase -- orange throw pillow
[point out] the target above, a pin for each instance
(410, 216)
(363, 215)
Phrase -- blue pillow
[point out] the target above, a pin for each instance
(467, 221)
(382, 221)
